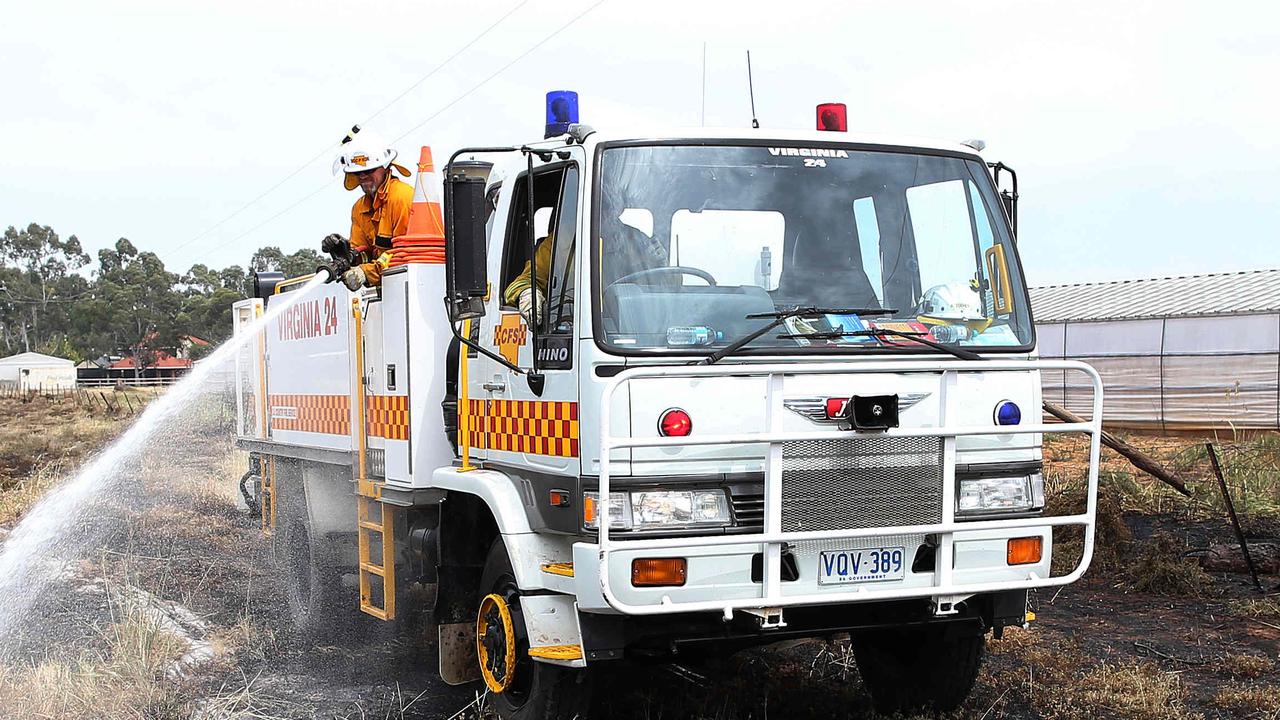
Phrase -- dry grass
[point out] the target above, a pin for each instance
(1249, 701)
(1162, 568)
(39, 441)
(1262, 608)
(1246, 666)
(127, 675)
(1059, 680)
(1251, 467)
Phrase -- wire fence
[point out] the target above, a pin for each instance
(114, 400)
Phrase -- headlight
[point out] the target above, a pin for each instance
(997, 495)
(653, 509)
(675, 508)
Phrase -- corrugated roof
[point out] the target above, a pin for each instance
(34, 358)
(1224, 293)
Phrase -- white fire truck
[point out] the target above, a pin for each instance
(799, 397)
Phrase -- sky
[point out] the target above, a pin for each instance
(1145, 134)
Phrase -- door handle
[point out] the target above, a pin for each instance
(495, 386)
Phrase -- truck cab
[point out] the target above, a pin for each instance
(770, 385)
(842, 470)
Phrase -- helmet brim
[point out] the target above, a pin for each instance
(351, 182)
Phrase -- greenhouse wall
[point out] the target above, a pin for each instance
(1173, 373)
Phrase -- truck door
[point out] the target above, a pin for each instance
(520, 426)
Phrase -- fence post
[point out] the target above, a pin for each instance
(1231, 512)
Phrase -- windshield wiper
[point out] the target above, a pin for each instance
(880, 334)
(782, 316)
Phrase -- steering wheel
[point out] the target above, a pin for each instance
(665, 270)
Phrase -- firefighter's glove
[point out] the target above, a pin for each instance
(333, 244)
(528, 299)
(354, 278)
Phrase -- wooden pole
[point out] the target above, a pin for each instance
(1231, 511)
(1139, 459)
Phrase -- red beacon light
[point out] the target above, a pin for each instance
(833, 117)
(675, 422)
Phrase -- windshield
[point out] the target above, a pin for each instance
(693, 240)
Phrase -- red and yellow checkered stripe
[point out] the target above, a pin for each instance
(526, 426)
(329, 414)
(387, 416)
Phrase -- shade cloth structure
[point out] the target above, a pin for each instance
(1190, 352)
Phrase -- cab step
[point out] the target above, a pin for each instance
(561, 569)
(561, 653)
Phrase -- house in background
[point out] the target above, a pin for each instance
(1194, 352)
(165, 364)
(36, 371)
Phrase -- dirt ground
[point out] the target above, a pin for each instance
(178, 611)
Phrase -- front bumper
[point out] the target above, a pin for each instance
(721, 576)
(969, 557)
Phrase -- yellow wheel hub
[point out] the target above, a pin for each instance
(496, 643)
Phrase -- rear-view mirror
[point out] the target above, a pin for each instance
(465, 252)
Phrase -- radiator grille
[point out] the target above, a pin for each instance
(861, 482)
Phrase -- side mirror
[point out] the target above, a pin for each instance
(465, 252)
(1008, 196)
(1010, 202)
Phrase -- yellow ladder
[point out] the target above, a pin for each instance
(382, 526)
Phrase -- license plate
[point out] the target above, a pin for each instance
(837, 567)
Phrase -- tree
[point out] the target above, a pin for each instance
(130, 304)
(301, 262)
(38, 286)
(206, 303)
(135, 306)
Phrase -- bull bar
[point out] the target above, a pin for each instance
(772, 539)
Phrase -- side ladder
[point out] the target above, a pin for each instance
(383, 527)
(268, 495)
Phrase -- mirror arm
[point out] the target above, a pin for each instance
(476, 346)
(533, 265)
(474, 151)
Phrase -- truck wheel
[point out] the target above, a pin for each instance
(318, 603)
(906, 669)
(521, 688)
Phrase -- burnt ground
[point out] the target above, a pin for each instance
(1145, 635)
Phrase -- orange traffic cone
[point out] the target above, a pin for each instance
(424, 242)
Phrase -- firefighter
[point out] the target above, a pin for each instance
(381, 213)
(524, 294)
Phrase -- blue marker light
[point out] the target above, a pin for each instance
(1008, 413)
(562, 111)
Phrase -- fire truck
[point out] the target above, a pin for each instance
(800, 397)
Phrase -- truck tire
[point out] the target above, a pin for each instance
(909, 669)
(319, 605)
(537, 690)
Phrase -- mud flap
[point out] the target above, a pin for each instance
(457, 647)
(554, 634)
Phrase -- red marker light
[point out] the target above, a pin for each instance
(836, 407)
(675, 423)
(833, 117)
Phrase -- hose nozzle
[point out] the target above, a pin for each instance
(332, 271)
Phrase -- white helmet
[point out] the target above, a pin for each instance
(363, 151)
(951, 303)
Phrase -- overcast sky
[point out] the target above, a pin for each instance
(1144, 134)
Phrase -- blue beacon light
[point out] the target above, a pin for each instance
(1008, 413)
(562, 111)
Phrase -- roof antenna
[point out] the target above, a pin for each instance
(704, 83)
(751, 89)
